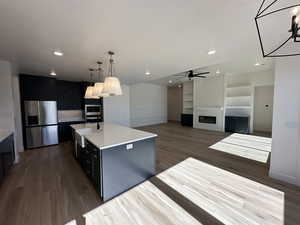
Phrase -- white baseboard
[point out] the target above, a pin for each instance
(284, 177)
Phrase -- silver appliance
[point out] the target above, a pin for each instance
(93, 113)
(41, 123)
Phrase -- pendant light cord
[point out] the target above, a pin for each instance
(99, 70)
(91, 75)
(111, 61)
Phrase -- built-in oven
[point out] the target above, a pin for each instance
(93, 113)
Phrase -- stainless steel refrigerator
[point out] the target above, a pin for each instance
(41, 124)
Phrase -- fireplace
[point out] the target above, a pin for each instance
(208, 119)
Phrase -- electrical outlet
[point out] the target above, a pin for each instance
(129, 146)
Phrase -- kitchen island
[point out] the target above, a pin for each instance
(115, 158)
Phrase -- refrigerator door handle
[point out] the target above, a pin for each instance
(39, 113)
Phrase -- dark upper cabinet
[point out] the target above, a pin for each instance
(69, 95)
(38, 88)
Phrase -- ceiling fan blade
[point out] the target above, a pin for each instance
(179, 75)
(203, 73)
(201, 76)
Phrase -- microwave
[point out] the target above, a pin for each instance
(93, 113)
(92, 109)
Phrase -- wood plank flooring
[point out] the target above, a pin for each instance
(230, 198)
(49, 187)
(247, 146)
(144, 204)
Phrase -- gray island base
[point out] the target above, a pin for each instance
(116, 158)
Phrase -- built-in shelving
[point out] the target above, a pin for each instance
(188, 95)
(239, 107)
(238, 96)
(241, 86)
(238, 99)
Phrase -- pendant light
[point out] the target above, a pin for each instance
(112, 86)
(90, 89)
(283, 48)
(98, 87)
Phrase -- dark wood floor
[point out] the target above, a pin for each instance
(48, 186)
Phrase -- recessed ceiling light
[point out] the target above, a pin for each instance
(257, 64)
(58, 53)
(211, 52)
(218, 72)
(148, 73)
(170, 82)
(53, 73)
(295, 11)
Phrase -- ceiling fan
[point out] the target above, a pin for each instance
(190, 74)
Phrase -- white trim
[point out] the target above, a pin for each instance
(283, 177)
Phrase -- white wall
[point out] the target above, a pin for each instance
(6, 97)
(116, 108)
(261, 78)
(253, 80)
(174, 103)
(148, 104)
(10, 112)
(263, 108)
(285, 157)
(209, 101)
(17, 109)
(209, 92)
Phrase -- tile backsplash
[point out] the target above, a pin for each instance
(69, 114)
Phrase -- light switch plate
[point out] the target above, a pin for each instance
(129, 146)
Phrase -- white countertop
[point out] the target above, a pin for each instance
(110, 135)
(4, 134)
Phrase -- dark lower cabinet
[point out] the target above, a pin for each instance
(95, 173)
(89, 159)
(237, 124)
(65, 131)
(7, 156)
(2, 173)
(187, 120)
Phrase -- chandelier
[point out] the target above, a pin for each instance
(293, 31)
(90, 89)
(109, 87)
(98, 86)
(112, 84)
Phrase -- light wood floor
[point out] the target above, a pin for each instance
(49, 188)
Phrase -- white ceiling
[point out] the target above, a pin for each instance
(162, 36)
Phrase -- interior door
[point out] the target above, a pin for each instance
(263, 108)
